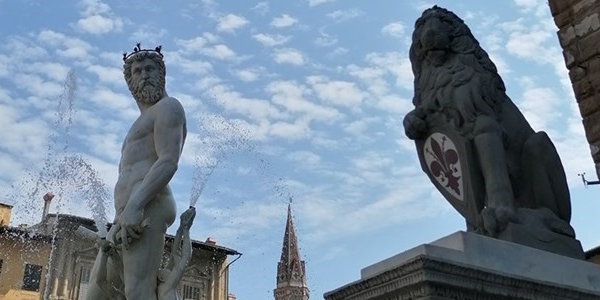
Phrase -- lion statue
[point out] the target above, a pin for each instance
(457, 85)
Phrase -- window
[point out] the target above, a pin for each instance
(191, 292)
(84, 280)
(32, 277)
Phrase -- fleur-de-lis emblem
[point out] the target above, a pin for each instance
(443, 165)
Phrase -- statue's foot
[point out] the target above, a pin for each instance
(495, 219)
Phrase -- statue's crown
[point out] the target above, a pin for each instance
(138, 49)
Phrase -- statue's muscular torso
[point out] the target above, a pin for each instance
(138, 154)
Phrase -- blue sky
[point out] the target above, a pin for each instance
(301, 99)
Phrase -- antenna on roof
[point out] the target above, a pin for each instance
(585, 182)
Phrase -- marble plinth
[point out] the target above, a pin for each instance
(471, 266)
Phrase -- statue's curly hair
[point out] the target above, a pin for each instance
(473, 61)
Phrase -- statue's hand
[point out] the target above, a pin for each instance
(187, 218)
(130, 226)
(414, 124)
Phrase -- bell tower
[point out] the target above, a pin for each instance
(291, 275)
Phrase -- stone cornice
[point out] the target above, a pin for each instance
(426, 276)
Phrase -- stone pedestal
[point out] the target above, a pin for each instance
(470, 266)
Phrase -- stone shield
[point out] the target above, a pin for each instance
(447, 159)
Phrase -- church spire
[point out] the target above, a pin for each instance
(291, 275)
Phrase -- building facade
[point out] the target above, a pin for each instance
(53, 260)
(578, 23)
(291, 272)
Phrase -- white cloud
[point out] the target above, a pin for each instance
(150, 35)
(73, 48)
(289, 56)
(397, 64)
(527, 3)
(120, 103)
(338, 51)
(539, 106)
(255, 109)
(372, 77)
(204, 45)
(38, 87)
(325, 40)
(261, 8)
(304, 158)
(345, 15)
(284, 21)
(395, 104)
(105, 74)
(357, 127)
(21, 49)
(98, 24)
(231, 22)
(291, 96)
(51, 70)
(530, 45)
(106, 145)
(91, 7)
(336, 92)
(195, 44)
(190, 66)
(25, 133)
(395, 29)
(312, 3)
(270, 40)
(220, 52)
(247, 75)
(291, 131)
(540, 7)
(97, 18)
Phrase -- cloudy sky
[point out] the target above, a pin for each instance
(285, 99)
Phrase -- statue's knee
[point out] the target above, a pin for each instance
(536, 144)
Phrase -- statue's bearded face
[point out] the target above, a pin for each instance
(147, 84)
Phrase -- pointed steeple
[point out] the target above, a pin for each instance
(291, 274)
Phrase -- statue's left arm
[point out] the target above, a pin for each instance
(169, 135)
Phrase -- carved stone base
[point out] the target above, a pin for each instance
(470, 266)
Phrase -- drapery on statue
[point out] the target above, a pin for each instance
(515, 174)
(144, 204)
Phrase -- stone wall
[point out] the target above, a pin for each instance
(578, 22)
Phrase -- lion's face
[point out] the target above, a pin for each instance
(432, 38)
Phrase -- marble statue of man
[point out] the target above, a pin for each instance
(144, 203)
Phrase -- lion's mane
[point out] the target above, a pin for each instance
(435, 86)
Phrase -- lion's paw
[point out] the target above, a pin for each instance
(495, 219)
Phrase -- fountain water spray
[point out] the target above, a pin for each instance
(66, 174)
(218, 138)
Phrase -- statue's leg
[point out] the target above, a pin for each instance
(141, 262)
(491, 158)
(544, 177)
(492, 161)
